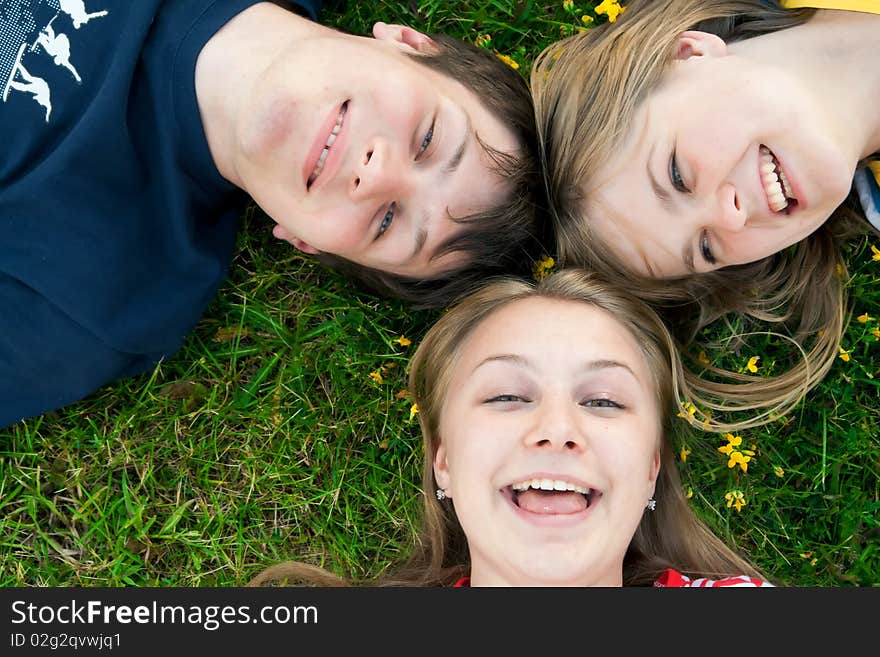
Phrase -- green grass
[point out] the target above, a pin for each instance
(265, 438)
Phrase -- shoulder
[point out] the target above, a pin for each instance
(674, 579)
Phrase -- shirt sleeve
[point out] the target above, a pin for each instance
(674, 579)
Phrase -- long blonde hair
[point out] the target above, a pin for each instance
(587, 89)
(670, 537)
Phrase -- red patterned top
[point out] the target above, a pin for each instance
(674, 579)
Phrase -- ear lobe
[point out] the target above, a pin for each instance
(655, 471)
(406, 37)
(441, 470)
(699, 44)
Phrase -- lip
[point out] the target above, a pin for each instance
(792, 182)
(334, 157)
(560, 520)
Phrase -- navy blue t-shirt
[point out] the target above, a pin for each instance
(115, 226)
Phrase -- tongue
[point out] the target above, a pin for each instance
(551, 502)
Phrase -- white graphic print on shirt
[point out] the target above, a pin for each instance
(26, 31)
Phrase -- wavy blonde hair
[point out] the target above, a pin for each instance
(587, 88)
(670, 537)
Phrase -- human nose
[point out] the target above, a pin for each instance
(729, 214)
(557, 427)
(378, 174)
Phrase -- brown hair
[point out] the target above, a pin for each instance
(599, 78)
(670, 537)
(501, 240)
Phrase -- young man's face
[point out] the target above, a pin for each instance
(355, 149)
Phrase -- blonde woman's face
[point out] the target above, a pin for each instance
(728, 161)
(549, 445)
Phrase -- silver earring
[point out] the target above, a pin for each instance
(441, 494)
(652, 504)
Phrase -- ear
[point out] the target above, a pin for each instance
(283, 235)
(441, 470)
(406, 37)
(699, 44)
(655, 471)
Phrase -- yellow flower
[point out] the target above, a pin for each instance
(687, 410)
(403, 394)
(735, 499)
(611, 8)
(403, 341)
(413, 411)
(806, 555)
(508, 60)
(864, 319)
(876, 333)
(542, 268)
(684, 455)
(726, 449)
(703, 358)
(752, 365)
(779, 472)
(376, 376)
(587, 20)
(733, 441)
(844, 355)
(876, 252)
(739, 458)
(840, 270)
(690, 493)
(483, 40)
(568, 5)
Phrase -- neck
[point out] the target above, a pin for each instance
(230, 65)
(487, 577)
(835, 53)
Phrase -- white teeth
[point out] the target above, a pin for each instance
(550, 484)
(776, 185)
(331, 138)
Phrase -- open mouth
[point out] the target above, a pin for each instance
(551, 496)
(780, 197)
(328, 143)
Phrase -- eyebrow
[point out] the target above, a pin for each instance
(589, 366)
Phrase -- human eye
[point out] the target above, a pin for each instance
(601, 402)
(675, 175)
(386, 220)
(426, 142)
(502, 398)
(706, 249)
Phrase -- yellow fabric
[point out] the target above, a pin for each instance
(868, 6)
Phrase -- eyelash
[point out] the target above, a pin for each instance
(675, 176)
(705, 249)
(602, 403)
(506, 398)
(385, 224)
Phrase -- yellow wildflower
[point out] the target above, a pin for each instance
(587, 20)
(876, 252)
(542, 268)
(864, 319)
(687, 410)
(703, 358)
(726, 449)
(684, 455)
(508, 60)
(690, 493)
(844, 355)
(733, 441)
(840, 270)
(752, 365)
(568, 5)
(735, 499)
(778, 471)
(806, 555)
(611, 8)
(741, 459)
(403, 341)
(413, 411)
(483, 40)
(376, 376)
(876, 333)
(403, 394)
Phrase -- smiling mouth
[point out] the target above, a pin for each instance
(331, 139)
(780, 197)
(551, 496)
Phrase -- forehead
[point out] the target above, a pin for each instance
(553, 334)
